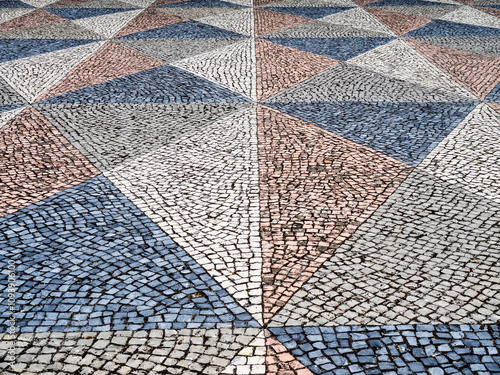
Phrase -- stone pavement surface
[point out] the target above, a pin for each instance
(266, 187)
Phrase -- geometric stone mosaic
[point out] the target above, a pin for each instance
(258, 187)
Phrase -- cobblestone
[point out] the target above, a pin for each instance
(258, 187)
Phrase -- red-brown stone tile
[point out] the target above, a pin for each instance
(279, 361)
(36, 18)
(280, 67)
(267, 21)
(477, 73)
(495, 106)
(36, 161)
(149, 19)
(316, 188)
(398, 22)
(258, 3)
(111, 61)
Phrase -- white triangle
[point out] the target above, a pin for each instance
(240, 21)
(251, 359)
(231, 67)
(39, 3)
(5, 117)
(109, 24)
(357, 18)
(472, 16)
(470, 154)
(139, 3)
(33, 75)
(312, 3)
(247, 3)
(10, 14)
(203, 191)
(398, 60)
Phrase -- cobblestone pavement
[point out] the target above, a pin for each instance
(259, 187)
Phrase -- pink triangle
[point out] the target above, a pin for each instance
(398, 22)
(279, 361)
(37, 162)
(111, 61)
(316, 188)
(267, 21)
(149, 19)
(280, 67)
(477, 73)
(36, 18)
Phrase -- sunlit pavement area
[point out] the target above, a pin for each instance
(262, 187)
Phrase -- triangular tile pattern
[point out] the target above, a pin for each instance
(399, 23)
(35, 18)
(387, 251)
(251, 359)
(354, 110)
(124, 274)
(398, 60)
(164, 84)
(230, 67)
(111, 61)
(478, 73)
(302, 221)
(221, 234)
(290, 65)
(357, 18)
(345, 82)
(472, 16)
(170, 50)
(66, 31)
(267, 21)
(13, 49)
(488, 46)
(110, 135)
(468, 152)
(8, 14)
(38, 162)
(240, 21)
(279, 360)
(404, 131)
(149, 19)
(33, 75)
(108, 25)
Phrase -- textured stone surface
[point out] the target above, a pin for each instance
(249, 187)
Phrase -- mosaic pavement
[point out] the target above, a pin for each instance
(266, 187)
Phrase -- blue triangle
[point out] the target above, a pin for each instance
(310, 12)
(448, 28)
(201, 4)
(184, 30)
(336, 48)
(390, 349)
(77, 13)
(165, 84)
(9, 107)
(383, 3)
(89, 260)
(14, 4)
(494, 95)
(13, 49)
(404, 131)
